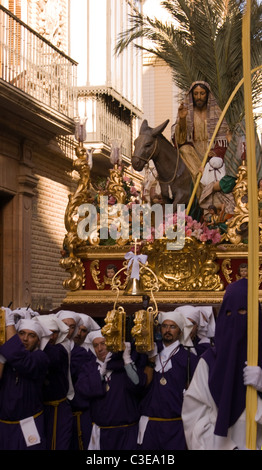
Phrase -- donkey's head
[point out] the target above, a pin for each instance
(146, 144)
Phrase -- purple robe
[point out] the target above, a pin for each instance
(165, 402)
(82, 424)
(21, 393)
(227, 359)
(55, 389)
(113, 404)
(201, 347)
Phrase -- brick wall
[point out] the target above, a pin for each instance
(48, 230)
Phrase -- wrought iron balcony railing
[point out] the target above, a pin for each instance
(107, 119)
(31, 63)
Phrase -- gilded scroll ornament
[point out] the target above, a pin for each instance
(226, 269)
(95, 273)
(76, 268)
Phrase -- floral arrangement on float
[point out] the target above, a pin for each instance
(123, 193)
(192, 228)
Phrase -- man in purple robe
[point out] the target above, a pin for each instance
(23, 367)
(80, 354)
(111, 383)
(169, 370)
(214, 409)
(57, 388)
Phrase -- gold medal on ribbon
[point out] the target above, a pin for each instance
(163, 381)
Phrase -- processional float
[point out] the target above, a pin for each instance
(200, 271)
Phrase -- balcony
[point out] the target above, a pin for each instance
(37, 80)
(109, 117)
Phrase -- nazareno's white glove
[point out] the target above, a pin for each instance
(103, 366)
(253, 376)
(153, 352)
(127, 354)
(9, 317)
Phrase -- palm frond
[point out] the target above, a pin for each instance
(203, 42)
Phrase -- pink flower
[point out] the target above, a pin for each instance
(189, 221)
(188, 232)
(215, 236)
(193, 228)
(203, 237)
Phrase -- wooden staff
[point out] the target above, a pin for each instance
(253, 233)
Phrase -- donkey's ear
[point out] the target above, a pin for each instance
(159, 129)
(144, 127)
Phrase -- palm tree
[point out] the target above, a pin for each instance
(203, 43)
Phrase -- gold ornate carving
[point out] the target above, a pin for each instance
(237, 226)
(191, 268)
(143, 330)
(226, 269)
(116, 189)
(95, 272)
(114, 329)
(163, 297)
(75, 267)
(2, 326)
(115, 185)
(82, 195)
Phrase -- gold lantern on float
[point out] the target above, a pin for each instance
(143, 330)
(145, 319)
(115, 329)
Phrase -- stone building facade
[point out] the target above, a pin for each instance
(38, 107)
(36, 156)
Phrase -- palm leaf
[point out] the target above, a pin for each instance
(203, 42)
